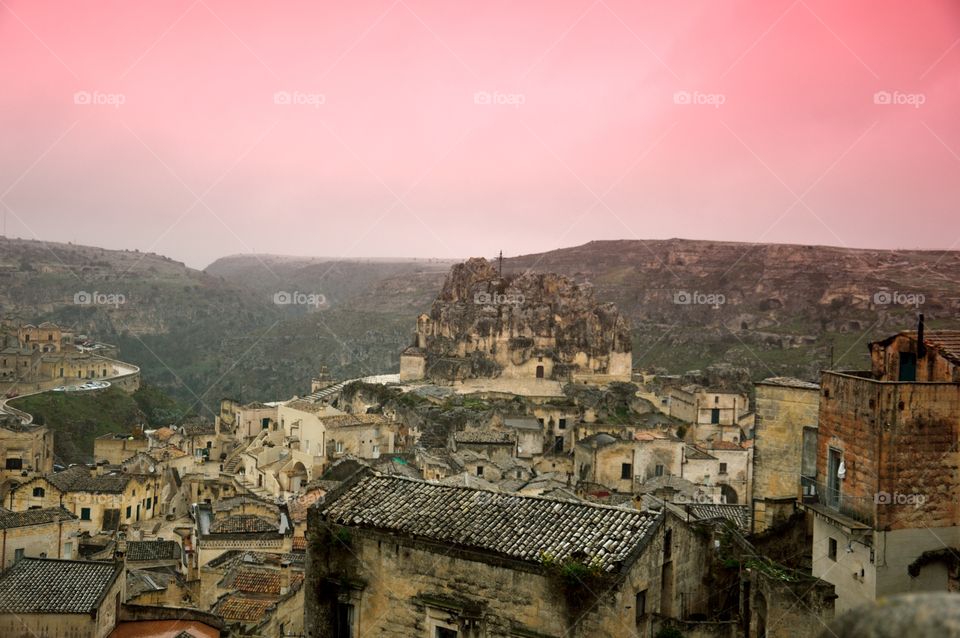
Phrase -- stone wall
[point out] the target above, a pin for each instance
(782, 413)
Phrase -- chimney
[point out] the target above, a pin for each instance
(284, 577)
(921, 348)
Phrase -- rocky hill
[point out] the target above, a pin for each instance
(760, 309)
(483, 324)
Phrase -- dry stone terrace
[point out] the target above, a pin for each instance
(526, 528)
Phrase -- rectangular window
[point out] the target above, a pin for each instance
(667, 544)
(149, 502)
(443, 632)
(17, 555)
(563, 424)
(908, 367)
(723, 468)
(834, 459)
(626, 470)
(14, 464)
(715, 416)
(558, 444)
(479, 470)
(658, 470)
(832, 548)
(84, 513)
(128, 511)
(344, 621)
(640, 606)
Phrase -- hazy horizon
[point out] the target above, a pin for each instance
(201, 129)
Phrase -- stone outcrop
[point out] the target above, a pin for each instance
(530, 325)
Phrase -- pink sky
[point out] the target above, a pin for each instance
(389, 153)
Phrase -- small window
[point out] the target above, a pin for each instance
(667, 544)
(149, 502)
(14, 464)
(832, 548)
(640, 606)
(39, 491)
(626, 470)
(443, 632)
(658, 470)
(562, 424)
(17, 554)
(723, 468)
(479, 470)
(84, 513)
(128, 511)
(715, 416)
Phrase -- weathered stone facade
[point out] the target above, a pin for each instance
(786, 416)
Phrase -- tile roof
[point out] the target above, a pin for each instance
(299, 543)
(347, 420)
(242, 608)
(10, 519)
(737, 514)
(198, 427)
(484, 436)
(256, 581)
(242, 524)
(152, 550)
(725, 445)
(50, 586)
(519, 527)
(163, 434)
(79, 478)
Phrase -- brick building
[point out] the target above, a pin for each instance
(886, 515)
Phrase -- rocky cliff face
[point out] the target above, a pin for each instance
(520, 325)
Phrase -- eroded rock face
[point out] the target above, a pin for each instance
(520, 326)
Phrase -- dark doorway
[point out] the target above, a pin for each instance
(908, 367)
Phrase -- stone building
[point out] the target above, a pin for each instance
(711, 413)
(26, 450)
(886, 510)
(721, 464)
(784, 447)
(398, 557)
(101, 501)
(484, 324)
(42, 533)
(620, 464)
(60, 598)
(117, 447)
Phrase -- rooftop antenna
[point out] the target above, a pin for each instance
(500, 259)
